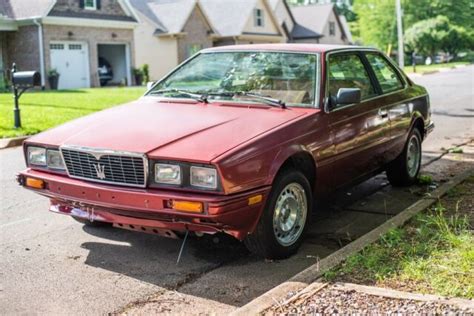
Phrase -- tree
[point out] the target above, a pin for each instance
(457, 39)
(438, 34)
(376, 22)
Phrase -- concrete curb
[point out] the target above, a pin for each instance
(312, 273)
(12, 142)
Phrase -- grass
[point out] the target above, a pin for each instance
(433, 253)
(41, 110)
(433, 67)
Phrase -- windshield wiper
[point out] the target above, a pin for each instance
(198, 97)
(261, 97)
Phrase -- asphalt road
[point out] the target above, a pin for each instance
(50, 264)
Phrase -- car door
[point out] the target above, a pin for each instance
(394, 100)
(359, 131)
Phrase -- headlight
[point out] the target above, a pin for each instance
(54, 159)
(37, 156)
(167, 173)
(204, 177)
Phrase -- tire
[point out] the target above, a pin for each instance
(404, 170)
(91, 224)
(282, 238)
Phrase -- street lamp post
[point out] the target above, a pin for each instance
(401, 53)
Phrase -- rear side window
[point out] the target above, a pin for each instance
(385, 73)
(348, 71)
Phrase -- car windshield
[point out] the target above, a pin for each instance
(284, 77)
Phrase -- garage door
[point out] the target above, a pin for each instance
(71, 60)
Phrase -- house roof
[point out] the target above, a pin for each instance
(24, 9)
(300, 32)
(313, 17)
(143, 7)
(29, 9)
(345, 27)
(228, 17)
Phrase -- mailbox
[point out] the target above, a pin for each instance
(26, 79)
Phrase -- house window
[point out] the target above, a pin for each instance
(258, 17)
(332, 28)
(90, 4)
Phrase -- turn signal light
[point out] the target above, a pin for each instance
(35, 183)
(255, 199)
(185, 206)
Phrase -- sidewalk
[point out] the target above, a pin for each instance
(377, 280)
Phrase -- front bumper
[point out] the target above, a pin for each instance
(429, 128)
(147, 209)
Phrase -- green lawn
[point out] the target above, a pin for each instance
(433, 253)
(434, 67)
(41, 110)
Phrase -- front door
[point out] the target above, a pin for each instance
(71, 60)
(359, 131)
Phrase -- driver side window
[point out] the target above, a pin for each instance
(348, 71)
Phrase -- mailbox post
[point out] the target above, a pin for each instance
(22, 81)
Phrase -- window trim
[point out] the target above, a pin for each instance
(92, 8)
(317, 104)
(362, 52)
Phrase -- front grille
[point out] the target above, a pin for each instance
(107, 167)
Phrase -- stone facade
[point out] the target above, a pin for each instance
(110, 7)
(197, 32)
(93, 36)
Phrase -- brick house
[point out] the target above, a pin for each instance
(69, 36)
(170, 31)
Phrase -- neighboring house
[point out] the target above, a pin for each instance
(294, 31)
(322, 19)
(171, 31)
(69, 36)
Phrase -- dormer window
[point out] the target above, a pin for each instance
(90, 4)
(258, 17)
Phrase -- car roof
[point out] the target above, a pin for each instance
(303, 48)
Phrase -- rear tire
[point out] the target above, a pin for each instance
(404, 170)
(87, 222)
(279, 232)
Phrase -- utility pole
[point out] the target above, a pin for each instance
(401, 51)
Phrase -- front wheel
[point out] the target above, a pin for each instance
(404, 170)
(280, 230)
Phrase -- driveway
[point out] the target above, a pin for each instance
(50, 264)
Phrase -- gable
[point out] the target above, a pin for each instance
(106, 9)
(269, 26)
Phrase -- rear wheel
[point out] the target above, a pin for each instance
(287, 212)
(404, 170)
(90, 223)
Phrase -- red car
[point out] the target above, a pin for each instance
(237, 139)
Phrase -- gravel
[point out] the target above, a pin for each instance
(340, 301)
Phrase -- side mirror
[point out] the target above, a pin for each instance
(149, 84)
(348, 96)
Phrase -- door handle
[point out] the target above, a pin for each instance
(383, 113)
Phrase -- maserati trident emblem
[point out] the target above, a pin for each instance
(100, 171)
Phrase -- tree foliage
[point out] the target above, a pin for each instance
(432, 35)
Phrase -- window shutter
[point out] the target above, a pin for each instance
(81, 4)
(97, 4)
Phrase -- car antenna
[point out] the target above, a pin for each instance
(182, 247)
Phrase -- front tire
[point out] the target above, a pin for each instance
(404, 170)
(279, 232)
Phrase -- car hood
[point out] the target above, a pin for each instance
(184, 130)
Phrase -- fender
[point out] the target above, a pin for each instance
(283, 156)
